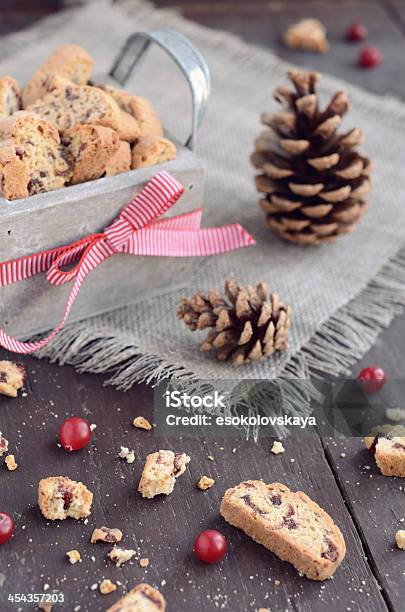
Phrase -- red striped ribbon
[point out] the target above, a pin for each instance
(136, 231)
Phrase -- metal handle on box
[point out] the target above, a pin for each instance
(185, 55)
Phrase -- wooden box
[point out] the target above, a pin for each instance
(61, 217)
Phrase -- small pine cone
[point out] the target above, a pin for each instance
(247, 325)
(312, 179)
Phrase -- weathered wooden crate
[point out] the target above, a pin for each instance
(61, 217)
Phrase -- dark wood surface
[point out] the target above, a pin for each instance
(367, 506)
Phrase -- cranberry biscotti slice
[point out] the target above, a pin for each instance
(10, 96)
(142, 598)
(289, 524)
(91, 148)
(32, 159)
(152, 150)
(72, 104)
(388, 447)
(70, 62)
(59, 498)
(121, 160)
(140, 108)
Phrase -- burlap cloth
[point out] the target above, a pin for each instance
(342, 295)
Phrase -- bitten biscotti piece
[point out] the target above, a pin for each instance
(389, 451)
(69, 62)
(120, 161)
(160, 472)
(91, 148)
(60, 497)
(66, 106)
(12, 376)
(142, 598)
(10, 96)
(32, 160)
(289, 524)
(152, 150)
(140, 108)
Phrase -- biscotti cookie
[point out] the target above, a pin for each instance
(32, 160)
(289, 524)
(142, 598)
(12, 376)
(389, 450)
(66, 106)
(160, 472)
(91, 148)
(128, 128)
(10, 96)
(60, 497)
(120, 161)
(140, 108)
(70, 62)
(152, 150)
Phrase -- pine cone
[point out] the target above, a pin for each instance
(312, 178)
(248, 325)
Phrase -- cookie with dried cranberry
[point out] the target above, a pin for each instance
(72, 104)
(160, 472)
(69, 62)
(32, 159)
(140, 108)
(142, 598)
(151, 150)
(91, 148)
(120, 161)
(60, 498)
(289, 524)
(10, 96)
(12, 376)
(388, 447)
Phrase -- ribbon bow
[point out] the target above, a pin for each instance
(136, 231)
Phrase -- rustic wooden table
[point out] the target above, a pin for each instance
(367, 506)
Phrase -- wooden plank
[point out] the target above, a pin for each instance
(264, 24)
(375, 501)
(162, 529)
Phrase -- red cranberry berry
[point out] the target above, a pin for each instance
(371, 379)
(356, 32)
(74, 433)
(370, 57)
(6, 527)
(210, 546)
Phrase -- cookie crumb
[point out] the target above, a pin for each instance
(127, 454)
(119, 556)
(307, 34)
(211, 458)
(400, 539)
(3, 445)
(205, 483)
(395, 414)
(11, 463)
(106, 587)
(141, 423)
(93, 426)
(12, 376)
(106, 534)
(45, 607)
(144, 562)
(277, 582)
(277, 448)
(343, 455)
(264, 610)
(74, 556)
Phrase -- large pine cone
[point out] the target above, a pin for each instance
(313, 179)
(247, 325)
